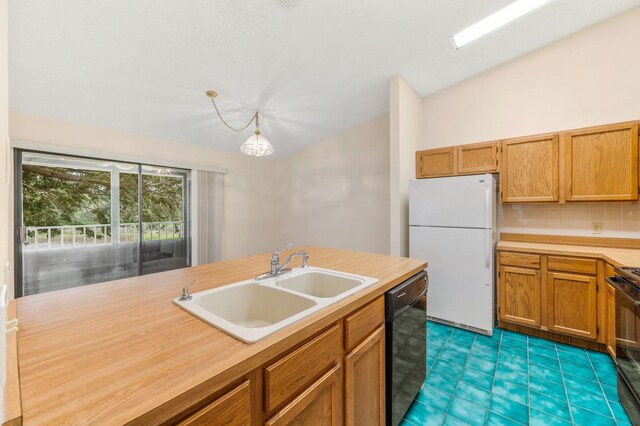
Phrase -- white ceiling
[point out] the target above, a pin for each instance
(143, 66)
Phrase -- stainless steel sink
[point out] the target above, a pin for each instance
(252, 310)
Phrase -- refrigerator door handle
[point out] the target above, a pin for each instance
(487, 249)
(487, 207)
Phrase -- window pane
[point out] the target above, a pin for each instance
(164, 208)
(69, 209)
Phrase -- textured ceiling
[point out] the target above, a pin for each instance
(316, 69)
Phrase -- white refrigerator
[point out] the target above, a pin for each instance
(452, 226)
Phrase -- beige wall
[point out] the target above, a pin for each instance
(5, 196)
(336, 193)
(618, 220)
(248, 184)
(589, 78)
(405, 110)
(586, 79)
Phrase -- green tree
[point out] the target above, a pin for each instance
(54, 196)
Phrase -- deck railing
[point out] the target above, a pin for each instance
(71, 236)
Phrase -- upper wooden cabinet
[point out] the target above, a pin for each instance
(477, 158)
(591, 164)
(457, 160)
(436, 162)
(530, 169)
(601, 163)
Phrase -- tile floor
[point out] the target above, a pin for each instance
(513, 379)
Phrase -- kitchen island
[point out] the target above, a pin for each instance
(123, 353)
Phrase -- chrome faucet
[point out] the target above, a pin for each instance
(277, 268)
(185, 292)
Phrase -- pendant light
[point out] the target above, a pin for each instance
(257, 145)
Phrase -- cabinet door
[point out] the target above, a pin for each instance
(519, 295)
(572, 304)
(436, 162)
(233, 408)
(602, 163)
(319, 404)
(478, 158)
(364, 382)
(529, 171)
(611, 320)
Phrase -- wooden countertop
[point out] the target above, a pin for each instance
(615, 256)
(121, 351)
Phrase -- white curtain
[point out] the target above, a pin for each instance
(208, 197)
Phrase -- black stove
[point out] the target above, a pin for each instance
(627, 285)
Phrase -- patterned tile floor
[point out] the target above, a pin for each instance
(513, 379)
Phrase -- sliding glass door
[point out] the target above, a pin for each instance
(85, 221)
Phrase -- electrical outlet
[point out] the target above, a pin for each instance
(596, 227)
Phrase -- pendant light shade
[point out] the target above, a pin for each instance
(257, 145)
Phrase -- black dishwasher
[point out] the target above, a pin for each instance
(406, 344)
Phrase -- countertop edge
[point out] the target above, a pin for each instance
(613, 256)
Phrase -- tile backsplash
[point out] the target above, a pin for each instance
(620, 220)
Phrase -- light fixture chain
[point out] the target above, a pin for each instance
(254, 118)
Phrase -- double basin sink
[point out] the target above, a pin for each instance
(252, 310)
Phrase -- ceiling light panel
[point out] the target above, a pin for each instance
(496, 20)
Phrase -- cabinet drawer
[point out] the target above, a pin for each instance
(290, 375)
(572, 264)
(233, 408)
(520, 259)
(362, 323)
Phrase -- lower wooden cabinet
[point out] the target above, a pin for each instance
(611, 320)
(365, 382)
(552, 293)
(519, 295)
(572, 304)
(334, 377)
(232, 409)
(320, 404)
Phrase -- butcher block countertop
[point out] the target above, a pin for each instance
(616, 256)
(121, 351)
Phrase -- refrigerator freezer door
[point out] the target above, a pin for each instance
(461, 273)
(463, 201)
